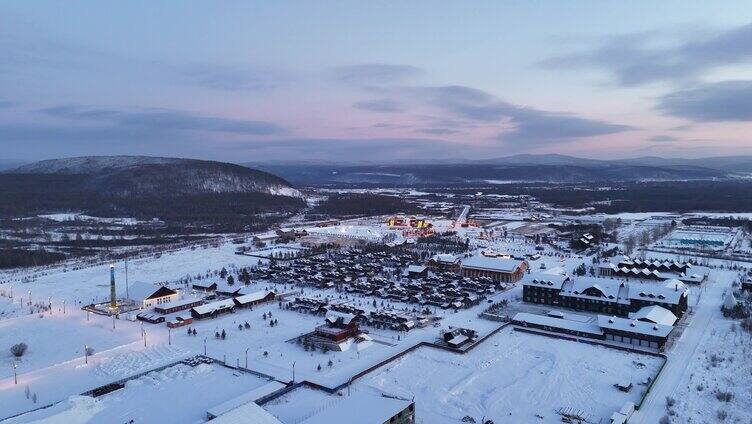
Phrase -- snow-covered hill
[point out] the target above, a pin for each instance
(134, 175)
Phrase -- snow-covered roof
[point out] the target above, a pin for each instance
(416, 268)
(253, 297)
(177, 303)
(444, 258)
(524, 317)
(491, 264)
(613, 290)
(333, 316)
(227, 288)
(248, 397)
(204, 284)
(140, 291)
(674, 283)
(730, 302)
(458, 339)
(655, 314)
(247, 413)
(634, 326)
(545, 280)
(622, 292)
(359, 408)
(663, 294)
(211, 307)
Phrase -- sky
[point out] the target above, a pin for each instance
(374, 81)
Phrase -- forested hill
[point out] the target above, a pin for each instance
(143, 186)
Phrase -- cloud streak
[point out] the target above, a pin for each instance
(525, 125)
(160, 121)
(374, 74)
(644, 58)
(234, 78)
(350, 150)
(726, 101)
(662, 139)
(380, 105)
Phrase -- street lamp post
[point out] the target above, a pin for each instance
(246, 357)
(293, 372)
(86, 354)
(15, 374)
(144, 338)
(63, 307)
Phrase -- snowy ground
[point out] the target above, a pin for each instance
(690, 364)
(514, 376)
(185, 394)
(70, 332)
(272, 350)
(91, 284)
(723, 364)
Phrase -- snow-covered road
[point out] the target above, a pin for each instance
(706, 308)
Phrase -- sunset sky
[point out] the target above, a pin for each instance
(375, 81)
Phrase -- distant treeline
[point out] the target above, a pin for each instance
(12, 258)
(671, 196)
(364, 204)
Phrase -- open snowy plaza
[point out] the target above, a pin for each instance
(516, 377)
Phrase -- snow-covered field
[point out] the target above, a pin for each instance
(514, 376)
(722, 365)
(91, 284)
(178, 394)
(57, 338)
(273, 350)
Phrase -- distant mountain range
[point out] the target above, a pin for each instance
(523, 168)
(718, 163)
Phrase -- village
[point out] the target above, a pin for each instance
(504, 311)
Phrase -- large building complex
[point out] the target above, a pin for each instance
(602, 295)
(505, 270)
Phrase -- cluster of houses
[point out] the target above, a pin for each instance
(395, 276)
(385, 319)
(650, 270)
(641, 314)
(444, 290)
(335, 269)
(244, 298)
(159, 312)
